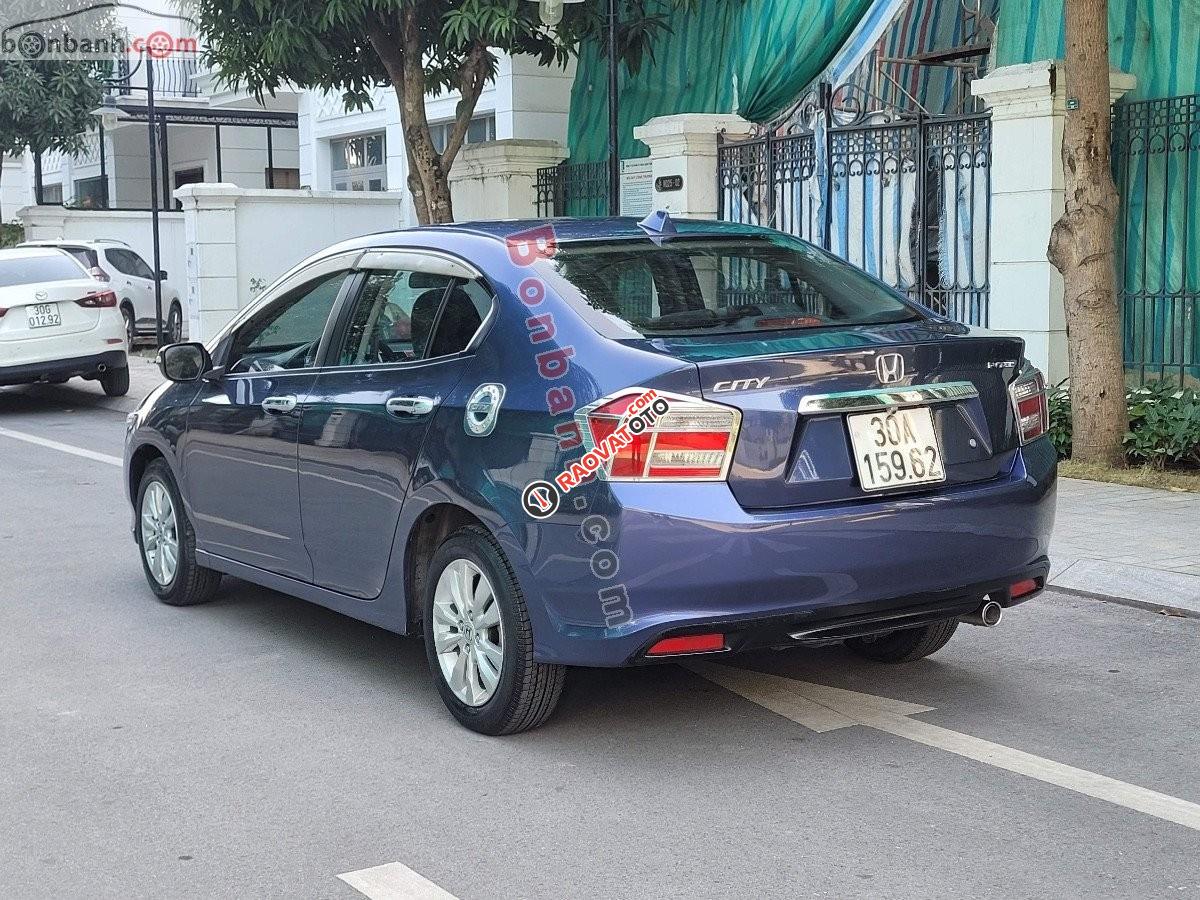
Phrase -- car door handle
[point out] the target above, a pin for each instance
(279, 405)
(410, 406)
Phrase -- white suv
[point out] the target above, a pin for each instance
(58, 322)
(132, 280)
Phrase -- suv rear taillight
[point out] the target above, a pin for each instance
(692, 441)
(1028, 393)
(98, 273)
(98, 300)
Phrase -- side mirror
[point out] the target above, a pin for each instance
(162, 274)
(184, 362)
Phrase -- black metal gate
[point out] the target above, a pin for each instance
(904, 197)
(1156, 157)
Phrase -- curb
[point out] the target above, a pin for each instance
(1154, 590)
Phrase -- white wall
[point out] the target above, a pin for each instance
(238, 241)
(15, 190)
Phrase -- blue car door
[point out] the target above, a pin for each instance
(402, 343)
(238, 456)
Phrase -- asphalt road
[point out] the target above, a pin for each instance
(260, 746)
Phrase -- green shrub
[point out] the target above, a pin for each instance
(11, 235)
(1164, 425)
(1060, 420)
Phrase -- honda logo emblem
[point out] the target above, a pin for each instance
(889, 367)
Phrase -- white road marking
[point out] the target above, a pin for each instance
(822, 708)
(394, 881)
(56, 445)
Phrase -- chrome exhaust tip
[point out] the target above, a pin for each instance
(988, 615)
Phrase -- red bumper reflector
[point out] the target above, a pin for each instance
(690, 643)
(1021, 588)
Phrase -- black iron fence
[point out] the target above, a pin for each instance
(906, 198)
(174, 75)
(573, 189)
(1156, 159)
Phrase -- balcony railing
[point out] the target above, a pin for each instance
(174, 75)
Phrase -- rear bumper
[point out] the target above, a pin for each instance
(79, 366)
(689, 558)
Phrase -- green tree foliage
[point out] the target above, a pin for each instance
(417, 46)
(47, 105)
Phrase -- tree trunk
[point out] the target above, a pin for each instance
(1082, 243)
(428, 170)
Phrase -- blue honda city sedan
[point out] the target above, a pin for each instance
(598, 442)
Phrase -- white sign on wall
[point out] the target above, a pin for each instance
(637, 187)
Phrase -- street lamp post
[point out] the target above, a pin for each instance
(551, 13)
(109, 114)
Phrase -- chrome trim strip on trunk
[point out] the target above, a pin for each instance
(887, 398)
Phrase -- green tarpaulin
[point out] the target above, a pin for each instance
(753, 57)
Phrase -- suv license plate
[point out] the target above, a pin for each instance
(43, 315)
(895, 448)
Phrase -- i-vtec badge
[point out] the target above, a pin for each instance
(1002, 364)
(740, 384)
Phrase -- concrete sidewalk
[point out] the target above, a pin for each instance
(1132, 544)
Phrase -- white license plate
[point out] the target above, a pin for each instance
(895, 448)
(43, 315)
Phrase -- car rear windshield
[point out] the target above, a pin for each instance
(724, 286)
(23, 269)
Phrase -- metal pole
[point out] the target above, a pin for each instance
(166, 165)
(103, 166)
(217, 135)
(37, 179)
(158, 320)
(270, 161)
(614, 158)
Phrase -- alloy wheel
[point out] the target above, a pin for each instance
(160, 533)
(467, 632)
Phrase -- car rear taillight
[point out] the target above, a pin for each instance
(1028, 393)
(98, 300)
(3, 310)
(98, 273)
(692, 441)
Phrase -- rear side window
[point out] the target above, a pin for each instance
(406, 315)
(87, 258)
(129, 263)
(724, 286)
(56, 266)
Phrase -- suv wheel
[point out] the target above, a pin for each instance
(906, 644)
(115, 382)
(175, 324)
(130, 326)
(479, 641)
(167, 542)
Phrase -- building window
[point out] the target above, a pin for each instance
(358, 163)
(89, 193)
(282, 179)
(482, 128)
(52, 194)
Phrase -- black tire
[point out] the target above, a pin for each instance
(905, 645)
(192, 582)
(528, 691)
(115, 382)
(174, 332)
(130, 326)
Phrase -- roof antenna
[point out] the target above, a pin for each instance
(658, 226)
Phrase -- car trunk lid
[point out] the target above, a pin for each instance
(32, 309)
(789, 457)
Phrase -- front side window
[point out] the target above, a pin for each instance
(698, 286)
(402, 316)
(358, 163)
(286, 332)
